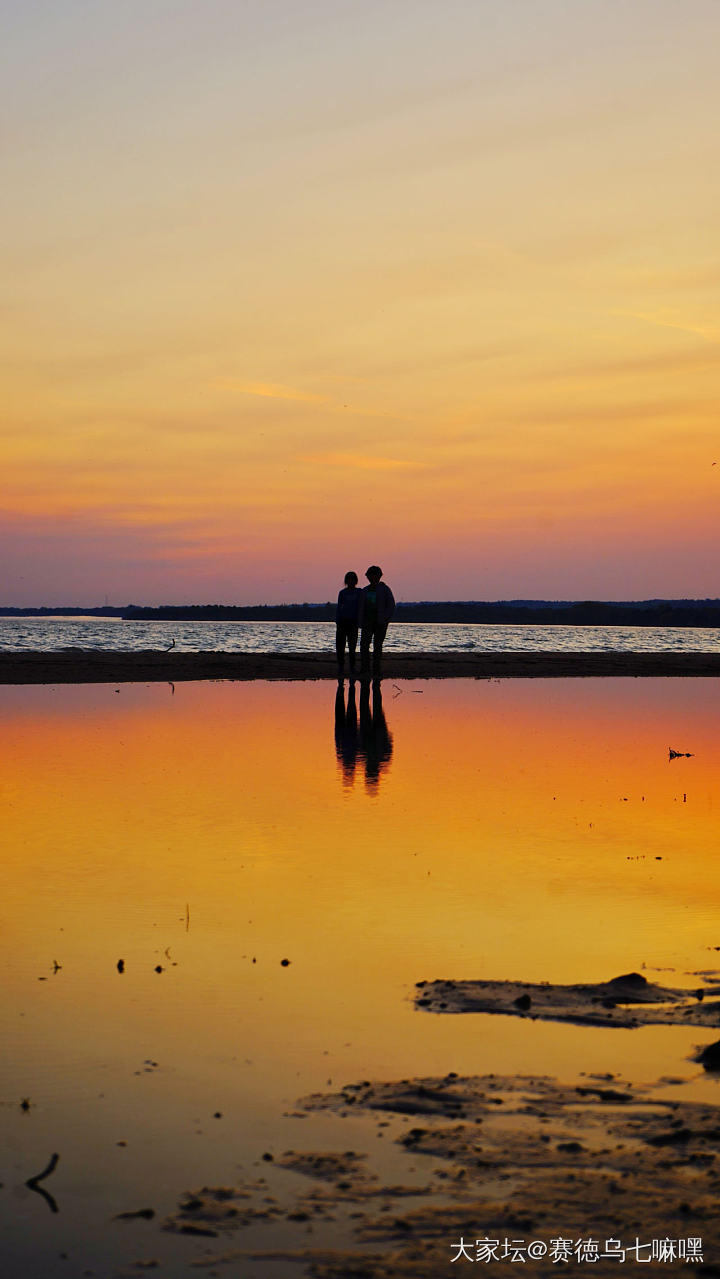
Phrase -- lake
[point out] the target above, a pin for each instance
(535, 830)
(55, 634)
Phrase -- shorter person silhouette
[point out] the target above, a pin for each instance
(346, 623)
(377, 605)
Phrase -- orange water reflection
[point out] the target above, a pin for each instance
(534, 830)
(517, 831)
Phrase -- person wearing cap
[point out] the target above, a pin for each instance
(377, 605)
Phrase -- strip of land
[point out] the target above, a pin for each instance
(79, 666)
(627, 1001)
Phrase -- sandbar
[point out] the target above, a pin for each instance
(97, 666)
(627, 1001)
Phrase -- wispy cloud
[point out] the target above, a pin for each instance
(618, 412)
(273, 391)
(659, 362)
(666, 320)
(276, 391)
(360, 461)
(705, 277)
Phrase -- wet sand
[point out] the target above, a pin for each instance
(626, 1001)
(517, 1168)
(76, 666)
(521, 1168)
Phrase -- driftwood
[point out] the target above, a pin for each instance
(32, 1183)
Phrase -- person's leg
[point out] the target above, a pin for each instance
(365, 637)
(352, 638)
(378, 637)
(340, 647)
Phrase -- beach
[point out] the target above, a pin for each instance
(79, 666)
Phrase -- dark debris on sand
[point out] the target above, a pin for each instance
(626, 1001)
(507, 1157)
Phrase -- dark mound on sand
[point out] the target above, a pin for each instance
(626, 1001)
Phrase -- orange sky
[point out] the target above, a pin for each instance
(291, 289)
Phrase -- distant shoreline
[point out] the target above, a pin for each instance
(112, 667)
(654, 612)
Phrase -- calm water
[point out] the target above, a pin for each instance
(529, 829)
(314, 637)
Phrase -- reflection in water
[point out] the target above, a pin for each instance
(528, 830)
(346, 732)
(374, 735)
(373, 744)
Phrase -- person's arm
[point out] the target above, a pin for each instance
(361, 607)
(390, 602)
(337, 609)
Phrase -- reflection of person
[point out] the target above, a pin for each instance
(346, 732)
(377, 605)
(346, 623)
(372, 745)
(375, 740)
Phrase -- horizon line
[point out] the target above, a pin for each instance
(516, 601)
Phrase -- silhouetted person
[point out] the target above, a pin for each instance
(377, 606)
(375, 740)
(346, 733)
(346, 623)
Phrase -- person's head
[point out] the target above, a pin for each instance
(351, 579)
(373, 574)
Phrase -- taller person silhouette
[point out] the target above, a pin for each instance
(377, 605)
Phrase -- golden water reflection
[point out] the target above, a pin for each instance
(522, 829)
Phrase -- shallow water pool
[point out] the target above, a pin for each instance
(535, 830)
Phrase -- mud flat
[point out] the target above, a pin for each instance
(523, 1165)
(626, 1001)
(521, 1169)
(79, 666)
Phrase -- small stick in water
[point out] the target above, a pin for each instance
(40, 1176)
(32, 1183)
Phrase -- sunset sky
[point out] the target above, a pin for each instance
(294, 287)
